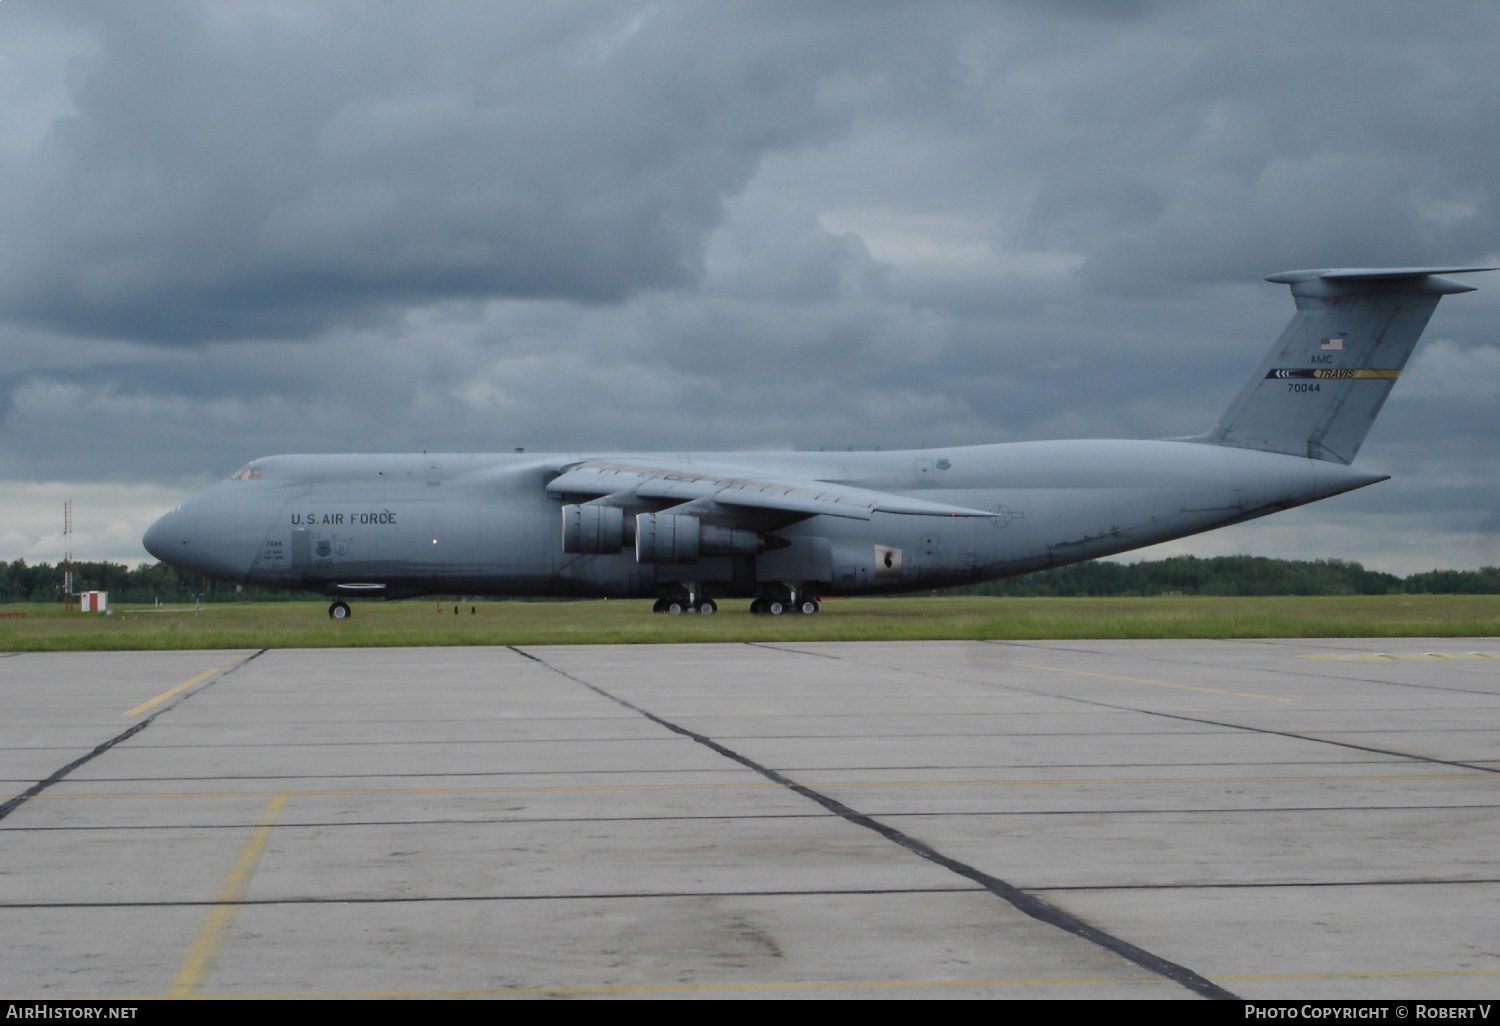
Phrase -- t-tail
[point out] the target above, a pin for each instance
(1319, 390)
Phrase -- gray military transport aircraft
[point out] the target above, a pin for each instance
(785, 528)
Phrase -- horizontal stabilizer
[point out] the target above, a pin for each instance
(1420, 279)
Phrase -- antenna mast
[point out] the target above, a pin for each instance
(68, 555)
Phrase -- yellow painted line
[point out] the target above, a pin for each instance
(1138, 680)
(689, 988)
(1360, 975)
(751, 785)
(214, 933)
(814, 985)
(178, 689)
(1372, 657)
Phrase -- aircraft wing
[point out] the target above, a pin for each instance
(685, 483)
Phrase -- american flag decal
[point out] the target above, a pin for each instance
(1333, 344)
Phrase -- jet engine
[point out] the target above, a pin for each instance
(597, 530)
(677, 538)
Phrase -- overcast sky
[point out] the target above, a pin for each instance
(230, 229)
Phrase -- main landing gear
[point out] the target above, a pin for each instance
(779, 606)
(678, 606)
(790, 598)
(339, 610)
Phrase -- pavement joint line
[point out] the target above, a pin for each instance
(736, 737)
(1405, 752)
(929, 767)
(429, 899)
(1371, 975)
(380, 744)
(178, 689)
(470, 721)
(1370, 657)
(1431, 759)
(1301, 674)
(519, 821)
(792, 651)
(748, 816)
(837, 717)
(490, 773)
(753, 785)
(35, 791)
(1231, 885)
(1023, 902)
(1137, 680)
(437, 899)
(914, 671)
(213, 935)
(668, 988)
(1183, 718)
(917, 768)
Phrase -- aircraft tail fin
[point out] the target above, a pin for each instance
(1317, 393)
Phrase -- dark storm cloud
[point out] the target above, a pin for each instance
(1330, 134)
(229, 229)
(252, 170)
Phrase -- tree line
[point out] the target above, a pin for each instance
(147, 583)
(1236, 575)
(1180, 575)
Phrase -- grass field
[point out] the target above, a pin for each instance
(306, 624)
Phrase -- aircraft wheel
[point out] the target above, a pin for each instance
(674, 608)
(659, 606)
(775, 607)
(339, 610)
(758, 606)
(808, 607)
(708, 607)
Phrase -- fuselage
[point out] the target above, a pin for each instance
(786, 527)
(485, 524)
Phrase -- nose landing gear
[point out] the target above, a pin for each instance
(339, 610)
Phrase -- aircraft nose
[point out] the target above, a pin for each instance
(216, 533)
(157, 535)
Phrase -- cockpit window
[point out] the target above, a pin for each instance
(248, 474)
